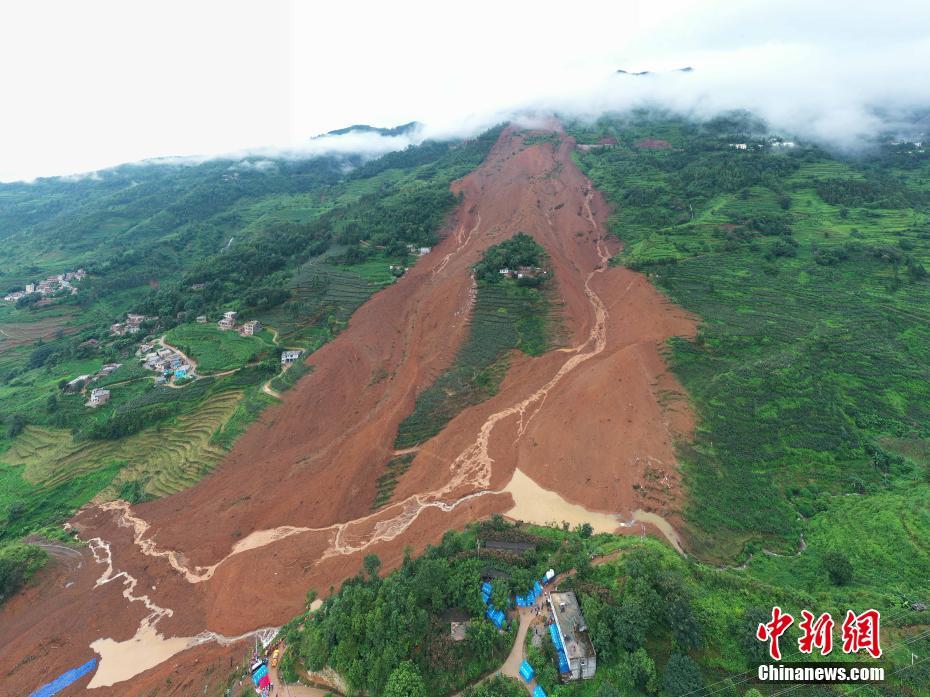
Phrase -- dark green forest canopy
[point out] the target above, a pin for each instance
(810, 372)
(519, 250)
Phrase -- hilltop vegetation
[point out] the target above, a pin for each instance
(216, 350)
(809, 374)
(661, 625)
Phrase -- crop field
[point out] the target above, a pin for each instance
(166, 459)
(49, 469)
(216, 350)
(506, 317)
(14, 334)
(323, 298)
(812, 364)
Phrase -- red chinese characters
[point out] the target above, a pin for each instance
(771, 631)
(861, 632)
(816, 633)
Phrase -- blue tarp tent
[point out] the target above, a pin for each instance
(496, 616)
(64, 680)
(526, 671)
(486, 592)
(559, 648)
(539, 692)
(259, 674)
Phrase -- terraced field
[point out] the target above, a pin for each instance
(165, 460)
(323, 299)
(16, 334)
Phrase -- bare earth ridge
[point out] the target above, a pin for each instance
(170, 588)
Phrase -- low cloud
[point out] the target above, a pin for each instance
(831, 71)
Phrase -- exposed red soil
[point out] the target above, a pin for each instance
(587, 421)
(652, 144)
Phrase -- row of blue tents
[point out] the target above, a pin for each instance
(530, 598)
(559, 648)
(492, 613)
(527, 673)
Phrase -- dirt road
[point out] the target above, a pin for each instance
(289, 508)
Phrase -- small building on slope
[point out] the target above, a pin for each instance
(576, 657)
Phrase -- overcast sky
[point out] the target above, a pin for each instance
(95, 83)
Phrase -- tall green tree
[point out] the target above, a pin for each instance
(405, 681)
(682, 677)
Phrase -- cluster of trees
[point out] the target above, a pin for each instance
(519, 250)
(381, 633)
(871, 192)
(372, 626)
(654, 600)
(897, 256)
(18, 562)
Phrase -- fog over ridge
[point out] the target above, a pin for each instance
(833, 72)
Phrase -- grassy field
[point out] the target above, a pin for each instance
(216, 350)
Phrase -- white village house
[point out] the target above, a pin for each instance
(288, 357)
(573, 635)
(228, 321)
(251, 327)
(98, 397)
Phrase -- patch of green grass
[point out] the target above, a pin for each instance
(216, 350)
(377, 269)
(27, 508)
(246, 412)
(287, 379)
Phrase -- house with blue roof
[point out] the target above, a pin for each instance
(575, 653)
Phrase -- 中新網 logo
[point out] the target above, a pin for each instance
(859, 632)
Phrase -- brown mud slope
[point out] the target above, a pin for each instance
(173, 585)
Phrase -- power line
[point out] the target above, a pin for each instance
(903, 642)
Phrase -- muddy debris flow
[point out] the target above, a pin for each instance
(173, 588)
